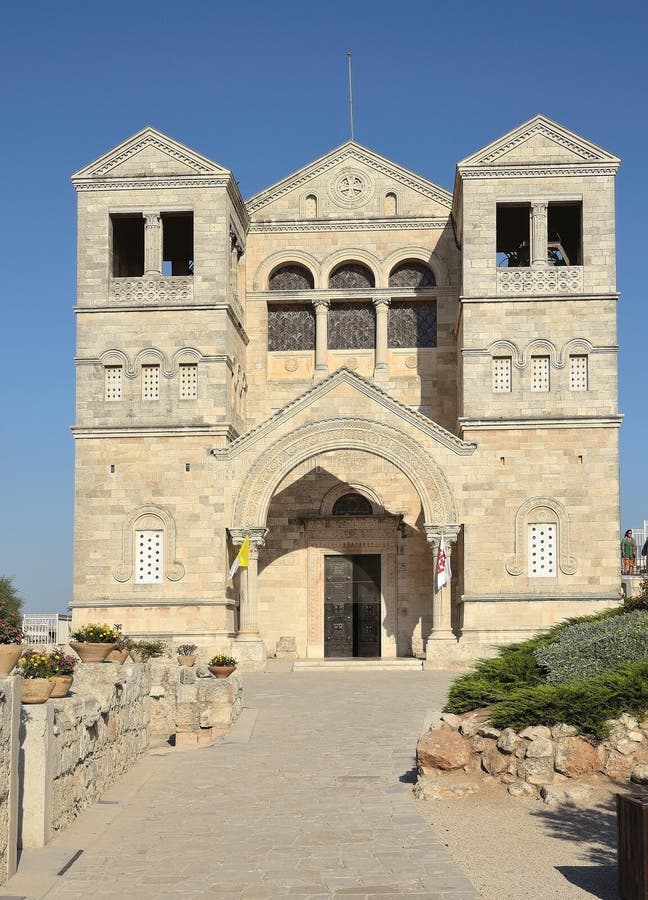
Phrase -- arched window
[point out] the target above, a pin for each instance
(352, 505)
(310, 206)
(291, 277)
(411, 273)
(350, 275)
(391, 204)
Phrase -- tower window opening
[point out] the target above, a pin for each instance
(127, 246)
(513, 235)
(177, 243)
(564, 234)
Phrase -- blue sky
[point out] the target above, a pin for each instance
(261, 88)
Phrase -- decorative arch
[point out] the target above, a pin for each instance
(284, 257)
(350, 255)
(506, 348)
(540, 345)
(145, 518)
(433, 260)
(412, 273)
(329, 500)
(385, 441)
(576, 345)
(516, 564)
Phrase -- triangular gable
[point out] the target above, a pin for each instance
(149, 152)
(368, 389)
(349, 152)
(539, 142)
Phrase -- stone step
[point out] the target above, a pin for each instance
(350, 665)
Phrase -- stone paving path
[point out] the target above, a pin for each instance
(309, 796)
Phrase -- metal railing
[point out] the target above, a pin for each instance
(46, 629)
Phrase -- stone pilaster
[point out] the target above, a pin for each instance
(152, 243)
(539, 234)
(250, 649)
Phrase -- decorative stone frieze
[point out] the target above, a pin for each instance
(151, 290)
(550, 280)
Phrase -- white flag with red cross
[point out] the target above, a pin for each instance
(443, 572)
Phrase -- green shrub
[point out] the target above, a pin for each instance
(586, 648)
(640, 601)
(586, 704)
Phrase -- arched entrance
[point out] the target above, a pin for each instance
(288, 507)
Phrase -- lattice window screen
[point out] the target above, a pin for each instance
(149, 556)
(292, 277)
(411, 274)
(578, 373)
(188, 381)
(150, 382)
(539, 373)
(291, 327)
(112, 383)
(502, 379)
(351, 275)
(351, 326)
(542, 550)
(412, 324)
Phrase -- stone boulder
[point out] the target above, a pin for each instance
(575, 756)
(441, 748)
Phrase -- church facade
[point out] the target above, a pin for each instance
(358, 376)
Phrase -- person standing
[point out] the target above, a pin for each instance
(628, 552)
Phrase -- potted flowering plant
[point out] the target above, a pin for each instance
(187, 654)
(142, 651)
(221, 665)
(62, 667)
(122, 648)
(11, 634)
(93, 642)
(36, 671)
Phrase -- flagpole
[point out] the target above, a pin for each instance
(350, 93)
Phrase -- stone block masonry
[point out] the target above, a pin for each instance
(9, 730)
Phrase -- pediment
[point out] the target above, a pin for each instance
(350, 181)
(342, 390)
(539, 142)
(149, 153)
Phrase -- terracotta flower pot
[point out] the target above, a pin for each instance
(36, 690)
(62, 684)
(9, 656)
(221, 671)
(118, 656)
(91, 653)
(186, 660)
(138, 656)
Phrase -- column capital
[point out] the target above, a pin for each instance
(256, 534)
(321, 304)
(433, 533)
(381, 302)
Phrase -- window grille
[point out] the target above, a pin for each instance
(542, 551)
(112, 383)
(352, 505)
(188, 381)
(291, 278)
(539, 373)
(351, 326)
(578, 373)
(351, 275)
(412, 324)
(502, 369)
(411, 274)
(150, 382)
(149, 556)
(291, 327)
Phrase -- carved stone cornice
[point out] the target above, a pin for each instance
(530, 171)
(152, 183)
(394, 224)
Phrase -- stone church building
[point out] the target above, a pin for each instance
(350, 368)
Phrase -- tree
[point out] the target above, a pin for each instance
(9, 592)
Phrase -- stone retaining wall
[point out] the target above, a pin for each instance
(9, 742)
(458, 752)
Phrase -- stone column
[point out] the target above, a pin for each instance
(249, 649)
(539, 234)
(152, 243)
(321, 335)
(441, 597)
(381, 306)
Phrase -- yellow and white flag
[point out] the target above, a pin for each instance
(242, 558)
